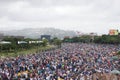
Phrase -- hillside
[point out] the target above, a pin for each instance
(36, 32)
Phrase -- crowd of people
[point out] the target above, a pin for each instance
(73, 61)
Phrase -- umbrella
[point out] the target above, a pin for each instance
(115, 57)
(99, 60)
(115, 72)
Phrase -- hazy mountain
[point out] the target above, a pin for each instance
(37, 32)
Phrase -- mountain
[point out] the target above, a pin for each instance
(37, 32)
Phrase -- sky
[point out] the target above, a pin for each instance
(79, 15)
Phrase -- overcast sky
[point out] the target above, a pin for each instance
(78, 15)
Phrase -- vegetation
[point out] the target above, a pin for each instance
(56, 42)
(84, 39)
(15, 46)
(107, 39)
(15, 49)
(104, 39)
(24, 52)
(45, 42)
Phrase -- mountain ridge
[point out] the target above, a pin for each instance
(37, 32)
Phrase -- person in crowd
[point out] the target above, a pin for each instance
(73, 61)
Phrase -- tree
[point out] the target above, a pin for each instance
(107, 39)
(75, 39)
(67, 39)
(57, 41)
(13, 45)
(45, 42)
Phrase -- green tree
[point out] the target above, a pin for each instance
(107, 39)
(57, 41)
(67, 39)
(45, 42)
(14, 43)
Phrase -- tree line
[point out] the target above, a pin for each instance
(104, 39)
(15, 46)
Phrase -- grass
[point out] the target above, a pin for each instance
(24, 52)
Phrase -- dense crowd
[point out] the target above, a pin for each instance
(73, 61)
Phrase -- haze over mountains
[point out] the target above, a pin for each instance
(37, 32)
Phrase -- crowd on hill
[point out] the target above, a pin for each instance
(73, 61)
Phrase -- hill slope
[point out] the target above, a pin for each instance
(36, 32)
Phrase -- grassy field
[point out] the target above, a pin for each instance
(24, 52)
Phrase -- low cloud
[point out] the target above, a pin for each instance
(82, 15)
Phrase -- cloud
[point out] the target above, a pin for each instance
(46, 3)
(83, 15)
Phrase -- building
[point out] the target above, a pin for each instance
(113, 32)
(48, 37)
